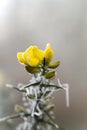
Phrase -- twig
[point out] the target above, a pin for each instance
(9, 117)
(52, 122)
(14, 116)
(32, 84)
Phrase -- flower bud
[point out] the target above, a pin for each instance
(54, 65)
(50, 108)
(19, 108)
(32, 70)
(50, 75)
(31, 96)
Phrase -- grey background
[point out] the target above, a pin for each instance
(63, 23)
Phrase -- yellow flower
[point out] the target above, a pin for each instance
(49, 53)
(32, 56)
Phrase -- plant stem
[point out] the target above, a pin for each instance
(14, 116)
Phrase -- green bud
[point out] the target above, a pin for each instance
(50, 75)
(19, 108)
(54, 65)
(31, 96)
(32, 70)
(50, 108)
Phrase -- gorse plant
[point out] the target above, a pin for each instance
(37, 111)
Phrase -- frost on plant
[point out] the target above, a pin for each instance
(37, 110)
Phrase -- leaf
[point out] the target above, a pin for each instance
(49, 108)
(19, 108)
(31, 96)
(54, 65)
(32, 70)
(50, 75)
(50, 86)
(32, 84)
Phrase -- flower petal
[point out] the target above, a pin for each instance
(20, 57)
(48, 53)
(32, 61)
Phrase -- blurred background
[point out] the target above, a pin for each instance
(63, 23)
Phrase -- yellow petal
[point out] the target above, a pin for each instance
(32, 61)
(33, 56)
(49, 53)
(20, 57)
(39, 54)
(27, 52)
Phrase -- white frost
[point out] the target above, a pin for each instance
(66, 88)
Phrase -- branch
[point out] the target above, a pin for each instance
(51, 121)
(32, 84)
(14, 116)
(9, 117)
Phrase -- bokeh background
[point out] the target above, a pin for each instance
(63, 23)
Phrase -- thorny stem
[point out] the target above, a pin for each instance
(52, 122)
(14, 116)
(9, 117)
(39, 84)
(36, 96)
